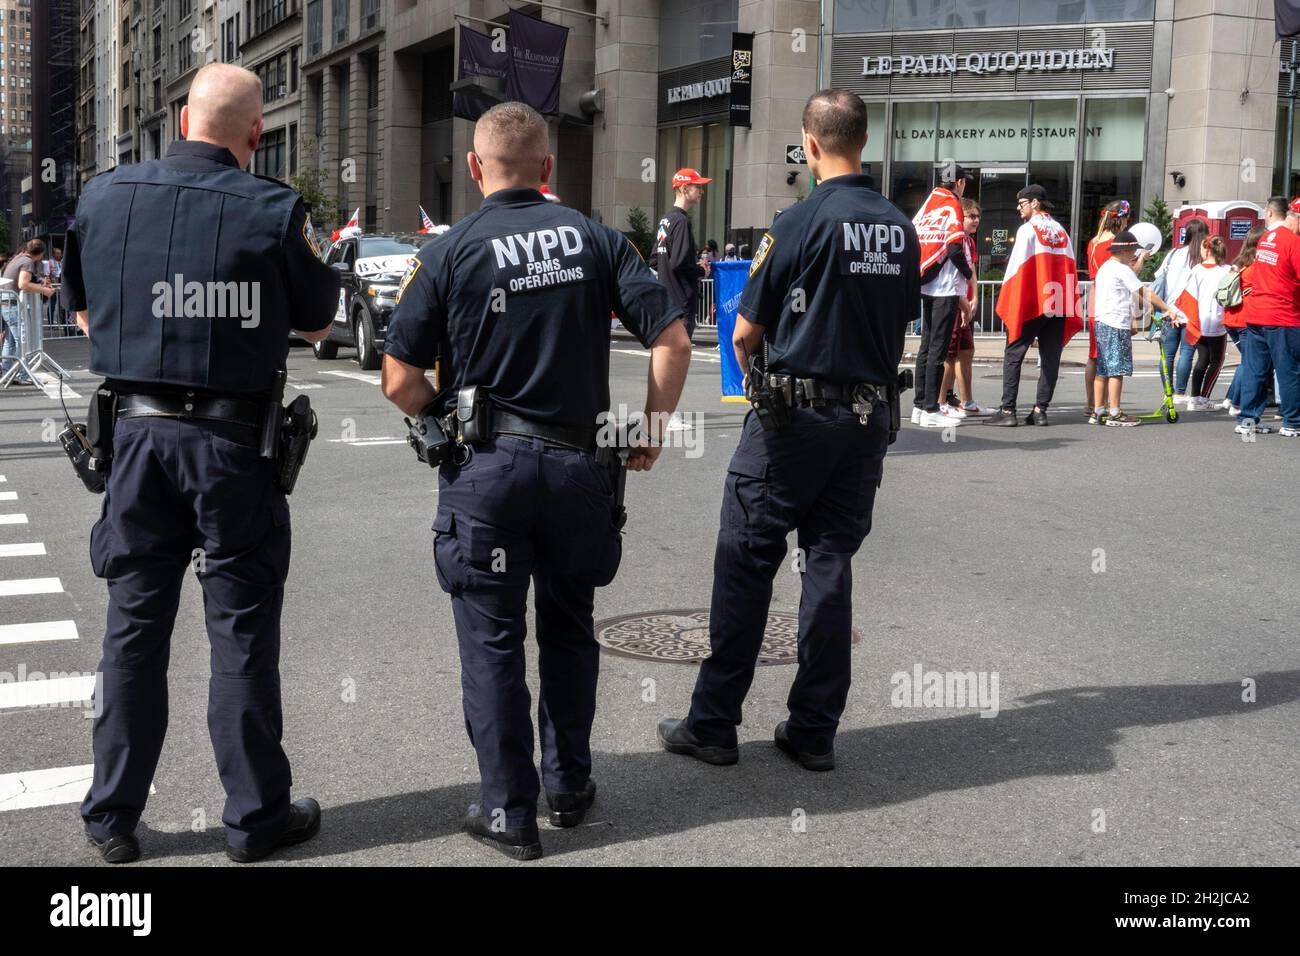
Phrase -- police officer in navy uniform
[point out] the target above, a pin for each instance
(190, 274)
(515, 299)
(832, 287)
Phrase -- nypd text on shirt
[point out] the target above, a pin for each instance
(540, 259)
(871, 248)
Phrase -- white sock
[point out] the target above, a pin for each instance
(1114, 410)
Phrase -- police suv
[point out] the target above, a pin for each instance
(371, 268)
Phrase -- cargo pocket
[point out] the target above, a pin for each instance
(102, 540)
(594, 556)
(448, 562)
(745, 507)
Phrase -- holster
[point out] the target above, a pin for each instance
(297, 429)
(90, 447)
(770, 395)
(614, 457)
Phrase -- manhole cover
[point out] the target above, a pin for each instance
(683, 636)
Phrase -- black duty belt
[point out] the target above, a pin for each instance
(811, 391)
(504, 423)
(236, 411)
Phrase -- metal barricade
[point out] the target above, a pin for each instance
(25, 317)
(706, 315)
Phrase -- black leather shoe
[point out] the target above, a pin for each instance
(117, 849)
(1037, 417)
(518, 843)
(1002, 417)
(304, 823)
(678, 739)
(569, 809)
(808, 761)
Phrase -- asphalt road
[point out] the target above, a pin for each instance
(1121, 735)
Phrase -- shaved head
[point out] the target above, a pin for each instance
(224, 107)
(512, 146)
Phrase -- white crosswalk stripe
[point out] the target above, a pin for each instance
(21, 550)
(13, 519)
(50, 386)
(44, 693)
(17, 586)
(8, 496)
(46, 788)
(38, 632)
(303, 386)
(359, 376)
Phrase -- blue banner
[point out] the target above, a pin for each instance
(477, 58)
(728, 282)
(536, 60)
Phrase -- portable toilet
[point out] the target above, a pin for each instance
(1229, 219)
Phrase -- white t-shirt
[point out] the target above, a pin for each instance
(1203, 284)
(1114, 287)
(949, 281)
(1176, 273)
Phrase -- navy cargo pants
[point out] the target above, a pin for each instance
(818, 477)
(181, 495)
(524, 511)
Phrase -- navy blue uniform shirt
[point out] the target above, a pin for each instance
(517, 297)
(193, 272)
(835, 282)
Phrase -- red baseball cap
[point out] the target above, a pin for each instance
(688, 177)
(1294, 208)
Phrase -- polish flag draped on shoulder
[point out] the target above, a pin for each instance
(1041, 278)
(1189, 303)
(938, 225)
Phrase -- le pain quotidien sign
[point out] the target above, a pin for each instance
(980, 62)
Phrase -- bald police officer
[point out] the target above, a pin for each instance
(513, 303)
(832, 287)
(189, 274)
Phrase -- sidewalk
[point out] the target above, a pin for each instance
(988, 349)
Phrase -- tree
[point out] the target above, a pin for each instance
(1158, 215)
(639, 232)
(310, 183)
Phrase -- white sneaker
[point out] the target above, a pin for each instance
(1199, 404)
(1182, 399)
(1246, 429)
(1225, 404)
(1233, 410)
(938, 420)
(916, 414)
(677, 423)
(1286, 432)
(952, 411)
(975, 408)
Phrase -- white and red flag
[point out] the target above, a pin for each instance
(938, 225)
(351, 228)
(1041, 278)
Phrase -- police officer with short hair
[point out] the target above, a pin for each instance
(512, 305)
(832, 287)
(190, 274)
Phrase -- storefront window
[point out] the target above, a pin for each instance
(913, 144)
(883, 16)
(691, 31)
(873, 154)
(706, 148)
(1112, 162)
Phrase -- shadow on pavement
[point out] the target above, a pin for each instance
(645, 795)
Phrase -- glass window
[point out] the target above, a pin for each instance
(914, 145)
(691, 31)
(973, 132)
(1054, 136)
(1112, 162)
(861, 16)
(874, 151)
(880, 16)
